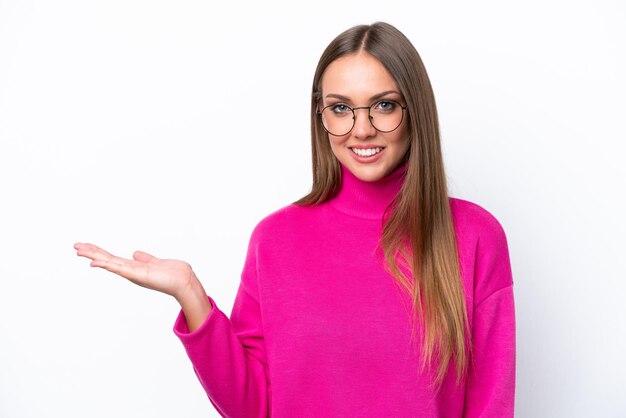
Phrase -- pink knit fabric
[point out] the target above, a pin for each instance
(319, 329)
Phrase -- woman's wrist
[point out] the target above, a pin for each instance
(195, 304)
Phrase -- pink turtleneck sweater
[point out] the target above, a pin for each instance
(318, 328)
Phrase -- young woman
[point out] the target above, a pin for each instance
(375, 295)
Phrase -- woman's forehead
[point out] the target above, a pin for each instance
(357, 76)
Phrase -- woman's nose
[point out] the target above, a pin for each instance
(363, 127)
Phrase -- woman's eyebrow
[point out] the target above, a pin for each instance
(374, 97)
(383, 94)
(337, 96)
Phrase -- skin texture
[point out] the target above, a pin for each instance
(359, 78)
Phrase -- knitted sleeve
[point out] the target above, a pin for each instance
(490, 390)
(228, 355)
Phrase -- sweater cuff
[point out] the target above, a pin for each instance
(181, 329)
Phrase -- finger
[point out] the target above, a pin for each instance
(144, 257)
(87, 247)
(93, 254)
(96, 253)
(128, 271)
(79, 245)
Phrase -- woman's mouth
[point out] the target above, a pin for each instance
(366, 152)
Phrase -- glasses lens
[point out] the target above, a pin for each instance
(338, 119)
(386, 115)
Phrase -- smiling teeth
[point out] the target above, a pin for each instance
(366, 152)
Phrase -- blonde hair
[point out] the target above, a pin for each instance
(418, 231)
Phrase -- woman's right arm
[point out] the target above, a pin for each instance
(195, 304)
(228, 355)
(173, 277)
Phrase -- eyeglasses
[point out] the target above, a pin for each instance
(384, 115)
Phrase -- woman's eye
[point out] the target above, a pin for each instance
(340, 108)
(385, 106)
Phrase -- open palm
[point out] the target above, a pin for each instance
(168, 276)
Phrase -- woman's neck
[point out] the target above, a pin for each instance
(365, 199)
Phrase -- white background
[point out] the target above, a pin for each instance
(174, 127)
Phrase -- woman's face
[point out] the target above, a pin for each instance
(361, 80)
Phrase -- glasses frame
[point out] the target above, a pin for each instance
(369, 115)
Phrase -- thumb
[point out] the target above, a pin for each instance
(142, 256)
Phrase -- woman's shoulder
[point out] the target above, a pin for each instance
(470, 215)
(475, 224)
(483, 247)
(285, 219)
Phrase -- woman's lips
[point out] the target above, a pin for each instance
(366, 150)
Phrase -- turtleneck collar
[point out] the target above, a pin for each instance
(367, 199)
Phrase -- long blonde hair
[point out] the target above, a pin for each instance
(418, 232)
